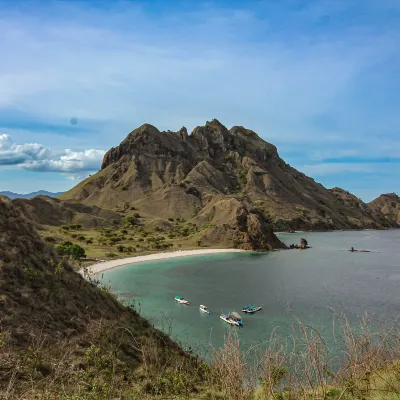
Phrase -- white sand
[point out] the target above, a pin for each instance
(103, 266)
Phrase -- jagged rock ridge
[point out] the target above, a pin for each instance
(219, 176)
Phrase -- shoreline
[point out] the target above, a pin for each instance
(106, 265)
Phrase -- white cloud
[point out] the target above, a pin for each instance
(36, 157)
(12, 153)
(71, 161)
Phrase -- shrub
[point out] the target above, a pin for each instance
(121, 248)
(81, 237)
(130, 220)
(170, 219)
(111, 255)
(89, 241)
(49, 239)
(136, 215)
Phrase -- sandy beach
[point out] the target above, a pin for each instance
(105, 265)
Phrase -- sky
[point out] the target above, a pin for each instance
(319, 79)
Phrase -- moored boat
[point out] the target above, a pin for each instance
(226, 318)
(251, 309)
(204, 309)
(232, 318)
(181, 300)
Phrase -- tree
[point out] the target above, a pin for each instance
(73, 250)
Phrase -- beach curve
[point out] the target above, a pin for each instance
(106, 265)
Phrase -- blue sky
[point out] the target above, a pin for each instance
(319, 79)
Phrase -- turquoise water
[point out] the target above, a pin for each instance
(312, 285)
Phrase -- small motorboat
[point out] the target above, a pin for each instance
(226, 318)
(232, 318)
(181, 300)
(204, 309)
(251, 309)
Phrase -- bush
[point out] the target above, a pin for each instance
(81, 237)
(111, 255)
(49, 239)
(171, 219)
(89, 241)
(136, 215)
(73, 250)
(121, 248)
(130, 220)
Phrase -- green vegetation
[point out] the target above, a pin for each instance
(73, 250)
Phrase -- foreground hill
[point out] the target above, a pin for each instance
(60, 333)
(228, 178)
(389, 206)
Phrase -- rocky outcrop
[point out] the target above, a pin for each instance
(389, 206)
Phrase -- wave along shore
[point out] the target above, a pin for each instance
(105, 265)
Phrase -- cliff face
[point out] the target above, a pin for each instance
(389, 206)
(216, 175)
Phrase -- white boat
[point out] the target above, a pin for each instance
(204, 309)
(251, 309)
(232, 318)
(227, 319)
(181, 300)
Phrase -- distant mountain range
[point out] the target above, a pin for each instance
(12, 195)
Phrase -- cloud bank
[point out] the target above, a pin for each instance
(36, 157)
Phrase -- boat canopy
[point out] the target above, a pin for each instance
(235, 315)
(179, 297)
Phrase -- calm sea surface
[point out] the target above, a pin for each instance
(312, 285)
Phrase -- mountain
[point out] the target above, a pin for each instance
(12, 195)
(229, 178)
(389, 205)
(61, 333)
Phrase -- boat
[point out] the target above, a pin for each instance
(236, 318)
(226, 318)
(251, 309)
(181, 300)
(204, 309)
(232, 318)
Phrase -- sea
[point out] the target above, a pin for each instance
(318, 288)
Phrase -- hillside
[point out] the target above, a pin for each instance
(12, 195)
(61, 333)
(44, 210)
(217, 176)
(389, 206)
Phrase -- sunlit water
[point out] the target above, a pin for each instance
(312, 285)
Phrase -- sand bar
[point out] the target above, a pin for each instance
(105, 265)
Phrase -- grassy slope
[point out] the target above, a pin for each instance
(60, 331)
